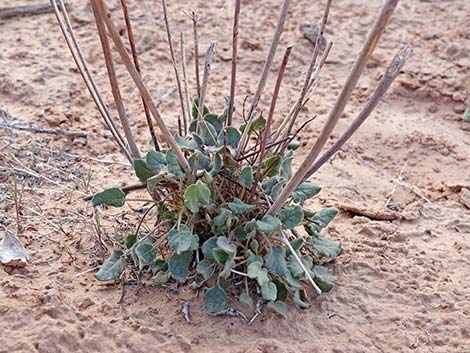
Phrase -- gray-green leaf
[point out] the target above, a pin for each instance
(269, 224)
(111, 197)
(182, 239)
(275, 260)
(197, 195)
(113, 267)
(179, 265)
(291, 216)
(246, 176)
(269, 291)
(215, 300)
(237, 206)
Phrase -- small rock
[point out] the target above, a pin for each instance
(459, 108)
(310, 30)
(464, 198)
(85, 304)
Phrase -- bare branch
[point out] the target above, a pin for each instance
(173, 62)
(267, 129)
(234, 61)
(104, 15)
(185, 83)
(196, 53)
(338, 109)
(135, 57)
(115, 85)
(264, 75)
(77, 54)
(205, 81)
(392, 72)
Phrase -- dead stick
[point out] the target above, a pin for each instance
(126, 189)
(267, 129)
(264, 75)
(311, 67)
(43, 131)
(185, 83)
(135, 57)
(173, 62)
(113, 82)
(339, 106)
(105, 16)
(205, 81)
(196, 53)
(26, 10)
(392, 72)
(77, 55)
(233, 75)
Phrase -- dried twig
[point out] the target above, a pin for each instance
(196, 53)
(392, 72)
(173, 62)
(233, 75)
(205, 81)
(267, 129)
(264, 75)
(114, 33)
(308, 77)
(340, 104)
(115, 85)
(77, 54)
(14, 126)
(25, 10)
(130, 35)
(185, 83)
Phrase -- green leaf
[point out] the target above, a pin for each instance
(299, 301)
(179, 265)
(269, 224)
(156, 161)
(292, 281)
(466, 116)
(113, 267)
(305, 191)
(323, 247)
(182, 239)
(159, 265)
(226, 272)
(204, 268)
(111, 197)
(246, 299)
(275, 260)
(141, 170)
(220, 256)
(293, 145)
(279, 307)
(222, 222)
(215, 300)
(291, 216)
(161, 277)
(286, 166)
(144, 253)
(269, 291)
(229, 248)
(208, 133)
(232, 138)
(281, 290)
(274, 165)
(254, 258)
(257, 124)
(209, 245)
(323, 278)
(204, 162)
(255, 271)
(197, 195)
(173, 164)
(237, 206)
(246, 176)
(130, 240)
(322, 218)
(185, 144)
(254, 245)
(194, 110)
(273, 186)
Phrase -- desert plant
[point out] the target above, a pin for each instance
(230, 212)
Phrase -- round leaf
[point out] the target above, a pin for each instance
(111, 197)
(215, 300)
(113, 267)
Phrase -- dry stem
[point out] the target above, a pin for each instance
(233, 76)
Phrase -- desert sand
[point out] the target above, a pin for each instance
(402, 183)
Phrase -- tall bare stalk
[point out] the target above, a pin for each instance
(115, 86)
(392, 72)
(196, 53)
(233, 75)
(264, 75)
(369, 46)
(135, 57)
(185, 82)
(267, 129)
(77, 54)
(173, 62)
(205, 81)
(105, 17)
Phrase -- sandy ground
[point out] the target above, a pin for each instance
(402, 284)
